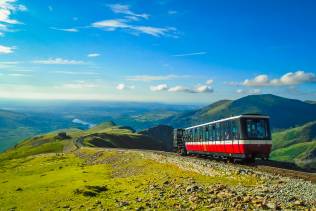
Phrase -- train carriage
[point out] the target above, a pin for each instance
(245, 136)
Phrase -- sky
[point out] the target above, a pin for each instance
(170, 51)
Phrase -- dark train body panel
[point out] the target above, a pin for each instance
(244, 136)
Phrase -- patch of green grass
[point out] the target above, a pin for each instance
(100, 179)
(297, 153)
(304, 133)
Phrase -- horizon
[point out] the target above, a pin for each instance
(8, 104)
(158, 52)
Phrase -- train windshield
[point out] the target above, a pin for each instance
(257, 128)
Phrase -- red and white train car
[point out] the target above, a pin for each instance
(245, 136)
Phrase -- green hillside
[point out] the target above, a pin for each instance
(296, 145)
(310, 101)
(111, 135)
(104, 135)
(284, 112)
(15, 126)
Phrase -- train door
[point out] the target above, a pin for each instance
(230, 137)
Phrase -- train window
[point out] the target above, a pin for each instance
(218, 132)
(257, 128)
(206, 138)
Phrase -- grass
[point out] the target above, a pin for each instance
(306, 132)
(297, 153)
(47, 143)
(114, 180)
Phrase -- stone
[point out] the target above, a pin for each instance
(192, 188)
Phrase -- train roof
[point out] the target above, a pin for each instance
(231, 118)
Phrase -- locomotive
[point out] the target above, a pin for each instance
(245, 137)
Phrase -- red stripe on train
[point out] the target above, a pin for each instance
(231, 148)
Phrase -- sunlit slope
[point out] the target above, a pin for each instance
(296, 145)
(284, 112)
(15, 126)
(104, 135)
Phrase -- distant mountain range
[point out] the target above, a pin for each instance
(15, 126)
(27, 120)
(293, 124)
(284, 112)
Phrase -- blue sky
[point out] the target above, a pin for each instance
(164, 51)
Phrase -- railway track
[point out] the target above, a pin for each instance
(273, 167)
(276, 168)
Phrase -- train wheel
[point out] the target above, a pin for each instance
(183, 152)
(231, 160)
(250, 160)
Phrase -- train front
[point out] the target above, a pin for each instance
(256, 133)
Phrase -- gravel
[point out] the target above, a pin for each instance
(284, 191)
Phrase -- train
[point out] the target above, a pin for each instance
(246, 137)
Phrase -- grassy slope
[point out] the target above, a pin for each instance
(296, 145)
(304, 133)
(115, 180)
(103, 135)
(15, 126)
(40, 144)
(110, 135)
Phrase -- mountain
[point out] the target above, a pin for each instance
(284, 112)
(163, 133)
(296, 145)
(16, 126)
(107, 134)
(19, 120)
(310, 101)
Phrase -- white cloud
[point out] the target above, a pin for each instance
(190, 54)
(251, 91)
(65, 30)
(147, 78)
(122, 87)
(114, 24)
(210, 82)
(154, 31)
(125, 9)
(110, 25)
(260, 80)
(80, 85)
(7, 8)
(130, 16)
(93, 54)
(55, 61)
(298, 77)
(160, 87)
(6, 49)
(198, 89)
(203, 89)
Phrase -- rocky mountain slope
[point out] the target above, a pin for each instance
(116, 179)
(284, 112)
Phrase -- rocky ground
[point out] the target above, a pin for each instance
(119, 179)
(274, 191)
